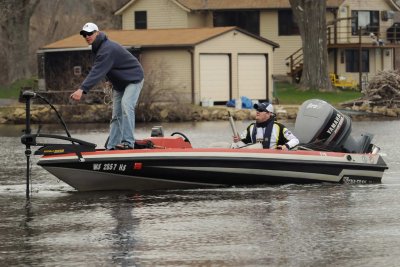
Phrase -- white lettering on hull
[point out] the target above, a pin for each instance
(109, 167)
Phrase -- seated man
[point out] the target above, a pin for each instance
(267, 131)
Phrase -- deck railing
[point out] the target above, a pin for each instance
(348, 36)
(363, 35)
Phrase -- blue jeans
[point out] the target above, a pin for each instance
(122, 123)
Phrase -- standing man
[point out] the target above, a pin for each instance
(125, 73)
(267, 131)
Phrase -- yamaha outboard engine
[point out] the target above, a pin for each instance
(319, 126)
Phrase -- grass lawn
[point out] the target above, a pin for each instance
(288, 94)
(12, 91)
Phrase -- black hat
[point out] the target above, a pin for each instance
(264, 107)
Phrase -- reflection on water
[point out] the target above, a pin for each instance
(287, 225)
(290, 225)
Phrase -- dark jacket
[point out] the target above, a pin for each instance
(114, 62)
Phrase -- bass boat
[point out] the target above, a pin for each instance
(327, 153)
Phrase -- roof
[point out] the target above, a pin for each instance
(154, 38)
(196, 5)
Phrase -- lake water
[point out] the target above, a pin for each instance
(285, 225)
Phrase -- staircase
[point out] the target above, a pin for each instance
(295, 64)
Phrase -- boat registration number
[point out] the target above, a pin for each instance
(109, 167)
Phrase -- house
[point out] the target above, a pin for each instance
(350, 24)
(364, 40)
(217, 63)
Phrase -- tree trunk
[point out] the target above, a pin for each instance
(15, 36)
(310, 16)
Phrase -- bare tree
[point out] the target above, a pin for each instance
(14, 33)
(159, 89)
(310, 16)
(26, 25)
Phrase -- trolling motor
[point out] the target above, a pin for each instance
(28, 139)
(27, 95)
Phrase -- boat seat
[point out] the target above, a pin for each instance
(142, 144)
(169, 142)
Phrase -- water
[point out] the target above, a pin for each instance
(285, 225)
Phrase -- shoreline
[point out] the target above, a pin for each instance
(83, 113)
(14, 113)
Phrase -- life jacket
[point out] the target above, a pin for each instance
(266, 142)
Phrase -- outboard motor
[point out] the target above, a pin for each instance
(319, 126)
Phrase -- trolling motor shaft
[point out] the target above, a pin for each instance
(27, 95)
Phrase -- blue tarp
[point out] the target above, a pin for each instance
(246, 103)
(231, 103)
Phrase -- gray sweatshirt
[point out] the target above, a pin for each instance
(114, 62)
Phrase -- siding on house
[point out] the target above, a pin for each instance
(171, 70)
(161, 14)
(201, 19)
(372, 5)
(243, 4)
(290, 44)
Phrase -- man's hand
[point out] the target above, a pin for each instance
(282, 147)
(236, 138)
(77, 95)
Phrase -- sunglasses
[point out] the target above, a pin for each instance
(84, 34)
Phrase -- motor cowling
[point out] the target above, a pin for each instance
(320, 126)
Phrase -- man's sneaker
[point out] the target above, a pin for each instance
(123, 147)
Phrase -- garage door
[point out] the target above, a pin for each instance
(214, 77)
(252, 76)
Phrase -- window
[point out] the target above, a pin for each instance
(77, 70)
(140, 20)
(352, 60)
(368, 21)
(286, 23)
(247, 20)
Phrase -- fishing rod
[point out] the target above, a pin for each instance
(233, 126)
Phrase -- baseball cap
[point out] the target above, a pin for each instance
(89, 27)
(264, 107)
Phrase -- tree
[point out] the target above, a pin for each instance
(14, 33)
(310, 16)
(27, 25)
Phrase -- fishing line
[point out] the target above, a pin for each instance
(57, 113)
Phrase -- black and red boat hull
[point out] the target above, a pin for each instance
(148, 169)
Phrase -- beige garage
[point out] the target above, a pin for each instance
(214, 77)
(252, 75)
(215, 64)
